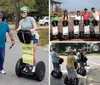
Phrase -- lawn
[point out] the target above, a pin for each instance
(44, 36)
(93, 54)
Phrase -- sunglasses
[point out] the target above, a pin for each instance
(23, 12)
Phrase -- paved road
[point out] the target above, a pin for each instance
(10, 61)
(93, 61)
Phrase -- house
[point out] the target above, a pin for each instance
(55, 6)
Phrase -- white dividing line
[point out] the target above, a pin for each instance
(94, 63)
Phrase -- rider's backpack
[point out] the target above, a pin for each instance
(25, 36)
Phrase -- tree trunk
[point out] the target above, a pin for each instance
(17, 13)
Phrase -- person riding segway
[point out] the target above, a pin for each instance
(56, 61)
(81, 62)
(54, 26)
(65, 30)
(72, 78)
(28, 37)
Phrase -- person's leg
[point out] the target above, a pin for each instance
(69, 72)
(35, 41)
(74, 74)
(2, 55)
(34, 55)
(54, 66)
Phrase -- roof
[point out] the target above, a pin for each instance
(55, 2)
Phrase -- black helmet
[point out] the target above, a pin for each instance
(65, 11)
(54, 49)
(86, 9)
(92, 8)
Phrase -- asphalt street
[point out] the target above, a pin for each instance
(93, 62)
(12, 55)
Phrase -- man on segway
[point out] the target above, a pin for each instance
(81, 62)
(54, 26)
(56, 61)
(86, 17)
(94, 23)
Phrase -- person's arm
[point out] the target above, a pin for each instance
(34, 27)
(99, 13)
(34, 24)
(10, 34)
(11, 37)
(19, 28)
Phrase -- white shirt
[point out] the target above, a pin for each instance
(96, 15)
(77, 17)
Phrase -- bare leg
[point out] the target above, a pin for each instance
(34, 55)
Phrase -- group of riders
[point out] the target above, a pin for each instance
(93, 15)
(72, 63)
(86, 16)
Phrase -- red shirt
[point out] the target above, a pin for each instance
(86, 16)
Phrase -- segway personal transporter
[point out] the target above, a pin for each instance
(65, 33)
(86, 29)
(54, 35)
(96, 29)
(58, 74)
(76, 29)
(70, 81)
(24, 65)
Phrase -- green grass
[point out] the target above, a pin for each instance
(44, 36)
(93, 54)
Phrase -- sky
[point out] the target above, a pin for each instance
(80, 4)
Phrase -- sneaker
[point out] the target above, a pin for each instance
(2, 72)
(34, 67)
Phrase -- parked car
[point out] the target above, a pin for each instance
(44, 21)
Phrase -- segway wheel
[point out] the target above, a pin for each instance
(18, 67)
(66, 80)
(40, 71)
(59, 76)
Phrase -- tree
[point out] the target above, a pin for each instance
(42, 6)
(13, 7)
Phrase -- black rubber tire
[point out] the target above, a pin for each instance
(59, 76)
(18, 68)
(66, 80)
(40, 71)
(46, 24)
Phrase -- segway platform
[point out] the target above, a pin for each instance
(65, 32)
(76, 28)
(25, 65)
(96, 29)
(86, 29)
(54, 30)
(58, 74)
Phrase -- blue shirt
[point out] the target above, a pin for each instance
(3, 29)
(55, 57)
